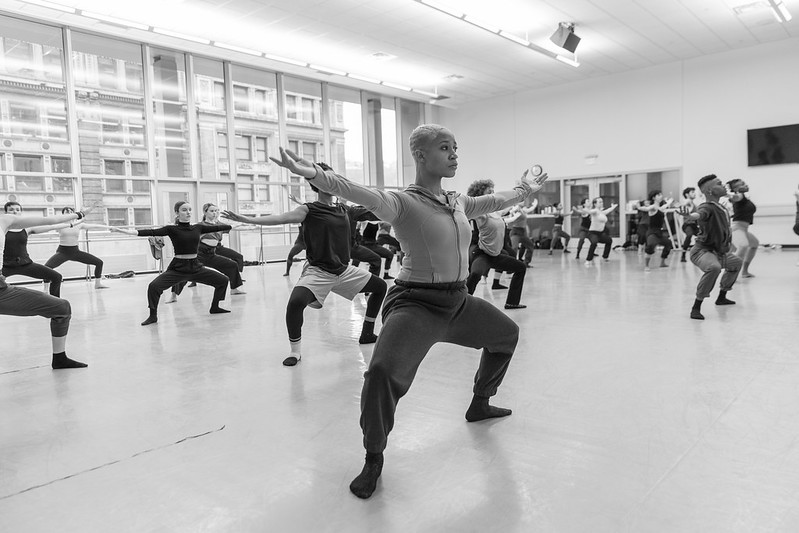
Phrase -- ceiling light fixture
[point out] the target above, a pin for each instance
(569, 61)
(286, 60)
(327, 70)
(51, 5)
(235, 48)
(500, 32)
(396, 86)
(115, 20)
(781, 12)
(178, 35)
(363, 78)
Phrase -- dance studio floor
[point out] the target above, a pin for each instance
(627, 415)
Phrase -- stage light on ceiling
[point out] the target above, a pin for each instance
(565, 37)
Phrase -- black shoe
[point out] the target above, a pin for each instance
(515, 306)
(291, 360)
(696, 315)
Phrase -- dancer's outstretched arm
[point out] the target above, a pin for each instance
(295, 216)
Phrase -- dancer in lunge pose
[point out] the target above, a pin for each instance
(17, 261)
(19, 301)
(185, 266)
(429, 302)
(489, 252)
(743, 216)
(711, 252)
(657, 233)
(209, 254)
(557, 230)
(299, 246)
(585, 224)
(689, 227)
(326, 230)
(69, 234)
(369, 241)
(597, 232)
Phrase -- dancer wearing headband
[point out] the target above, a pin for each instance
(19, 301)
(429, 302)
(185, 266)
(326, 230)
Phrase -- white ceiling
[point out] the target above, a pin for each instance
(617, 36)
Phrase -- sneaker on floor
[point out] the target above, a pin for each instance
(291, 360)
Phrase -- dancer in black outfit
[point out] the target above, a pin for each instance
(657, 233)
(585, 224)
(19, 301)
(68, 250)
(489, 252)
(326, 229)
(185, 266)
(743, 216)
(557, 230)
(17, 262)
(689, 226)
(369, 241)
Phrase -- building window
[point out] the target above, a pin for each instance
(107, 70)
(115, 186)
(24, 119)
(142, 217)
(62, 184)
(221, 144)
(240, 98)
(28, 163)
(245, 193)
(296, 186)
(133, 77)
(243, 148)
(61, 165)
(114, 167)
(138, 168)
(112, 131)
(263, 193)
(141, 186)
(56, 124)
(261, 153)
(30, 183)
(19, 55)
(117, 216)
(136, 134)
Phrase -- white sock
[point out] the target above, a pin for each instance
(295, 348)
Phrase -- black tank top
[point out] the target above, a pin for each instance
(585, 222)
(370, 234)
(326, 230)
(744, 210)
(656, 220)
(559, 219)
(16, 250)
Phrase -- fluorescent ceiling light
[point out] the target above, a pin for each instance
(396, 86)
(426, 93)
(514, 38)
(443, 8)
(781, 12)
(286, 60)
(327, 70)
(480, 24)
(51, 5)
(235, 48)
(363, 78)
(567, 60)
(115, 20)
(183, 36)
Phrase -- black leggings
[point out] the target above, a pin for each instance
(231, 254)
(481, 263)
(582, 235)
(73, 253)
(690, 230)
(182, 270)
(360, 253)
(385, 253)
(655, 237)
(596, 237)
(301, 297)
(37, 271)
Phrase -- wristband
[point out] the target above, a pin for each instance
(80, 214)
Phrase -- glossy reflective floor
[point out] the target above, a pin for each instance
(628, 415)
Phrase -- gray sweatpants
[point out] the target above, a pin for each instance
(711, 264)
(414, 319)
(18, 301)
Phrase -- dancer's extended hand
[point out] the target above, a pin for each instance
(535, 183)
(295, 163)
(230, 215)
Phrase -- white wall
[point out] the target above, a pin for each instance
(690, 115)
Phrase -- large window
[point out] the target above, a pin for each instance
(346, 133)
(209, 84)
(173, 158)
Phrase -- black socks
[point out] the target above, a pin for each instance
(480, 410)
(695, 310)
(368, 333)
(152, 319)
(497, 285)
(215, 309)
(723, 300)
(60, 360)
(365, 484)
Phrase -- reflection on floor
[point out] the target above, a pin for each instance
(627, 414)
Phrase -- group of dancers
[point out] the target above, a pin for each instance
(448, 240)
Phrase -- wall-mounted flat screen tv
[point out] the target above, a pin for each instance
(773, 146)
